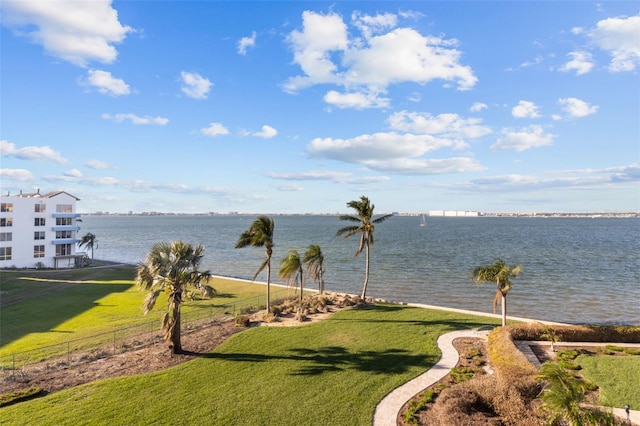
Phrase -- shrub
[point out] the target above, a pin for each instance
(631, 351)
(614, 348)
(242, 321)
(568, 355)
(461, 374)
(414, 406)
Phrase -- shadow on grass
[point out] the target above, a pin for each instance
(336, 358)
(45, 311)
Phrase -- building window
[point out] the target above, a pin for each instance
(64, 208)
(5, 253)
(40, 208)
(6, 221)
(5, 236)
(38, 235)
(63, 250)
(63, 234)
(38, 251)
(6, 207)
(39, 221)
(64, 221)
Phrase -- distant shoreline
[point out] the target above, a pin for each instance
(595, 215)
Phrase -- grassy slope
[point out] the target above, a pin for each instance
(332, 372)
(617, 378)
(76, 304)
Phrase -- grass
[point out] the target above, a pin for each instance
(42, 309)
(331, 372)
(616, 376)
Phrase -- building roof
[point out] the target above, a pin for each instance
(39, 195)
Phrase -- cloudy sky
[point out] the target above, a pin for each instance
(294, 107)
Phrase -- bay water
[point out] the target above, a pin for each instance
(575, 270)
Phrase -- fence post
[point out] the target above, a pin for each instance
(13, 366)
(114, 342)
(68, 353)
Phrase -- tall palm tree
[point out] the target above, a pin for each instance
(171, 267)
(498, 273)
(89, 240)
(291, 271)
(365, 228)
(260, 234)
(314, 259)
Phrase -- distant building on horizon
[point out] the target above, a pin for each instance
(39, 230)
(454, 213)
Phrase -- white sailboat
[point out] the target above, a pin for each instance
(423, 221)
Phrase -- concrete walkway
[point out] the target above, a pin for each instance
(386, 413)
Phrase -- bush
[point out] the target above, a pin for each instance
(631, 351)
(242, 321)
(576, 333)
(614, 348)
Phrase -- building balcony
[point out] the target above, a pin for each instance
(65, 228)
(59, 241)
(57, 214)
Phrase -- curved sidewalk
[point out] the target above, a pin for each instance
(386, 413)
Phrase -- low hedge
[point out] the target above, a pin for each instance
(576, 333)
(20, 395)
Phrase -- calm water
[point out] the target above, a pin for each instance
(575, 269)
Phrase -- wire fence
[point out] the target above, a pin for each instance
(21, 365)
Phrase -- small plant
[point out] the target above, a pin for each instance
(242, 321)
(614, 348)
(472, 352)
(417, 405)
(568, 355)
(550, 334)
(40, 265)
(631, 351)
(461, 374)
(569, 365)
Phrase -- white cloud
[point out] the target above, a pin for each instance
(194, 85)
(73, 173)
(267, 132)
(581, 63)
(135, 119)
(96, 164)
(290, 187)
(105, 83)
(214, 129)
(327, 55)
(34, 153)
(448, 125)
(75, 31)
(527, 138)
(356, 100)
(426, 166)
(324, 175)
(478, 106)
(378, 146)
(21, 175)
(576, 107)
(245, 43)
(525, 109)
(369, 25)
(621, 38)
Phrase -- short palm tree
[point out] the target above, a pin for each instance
(562, 398)
(500, 274)
(365, 228)
(291, 271)
(260, 234)
(171, 267)
(89, 241)
(314, 259)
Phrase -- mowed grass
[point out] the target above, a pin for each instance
(618, 378)
(45, 308)
(331, 372)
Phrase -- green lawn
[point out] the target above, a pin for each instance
(47, 309)
(331, 372)
(617, 376)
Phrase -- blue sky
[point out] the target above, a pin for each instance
(295, 107)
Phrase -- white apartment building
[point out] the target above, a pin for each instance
(38, 230)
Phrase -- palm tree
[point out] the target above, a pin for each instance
(171, 267)
(498, 273)
(291, 271)
(89, 240)
(366, 226)
(562, 398)
(260, 234)
(314, 260)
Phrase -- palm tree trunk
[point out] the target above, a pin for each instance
(173, 328)
(504, 310)
(366, 271)
(269, 287)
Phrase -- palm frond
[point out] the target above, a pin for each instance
(150, 301)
